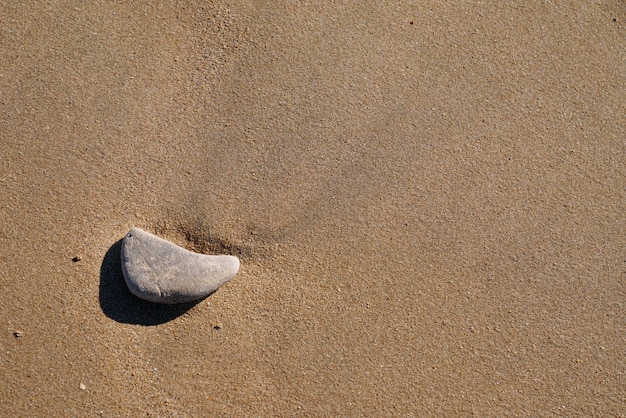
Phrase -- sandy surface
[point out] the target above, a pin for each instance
(428, 202)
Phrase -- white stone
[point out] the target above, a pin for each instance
(159, 271)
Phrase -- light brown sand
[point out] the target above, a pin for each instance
(428, 201)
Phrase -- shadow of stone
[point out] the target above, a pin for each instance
(119, 304)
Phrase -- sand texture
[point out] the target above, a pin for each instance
(428, 201)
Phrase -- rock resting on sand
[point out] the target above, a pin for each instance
(158, 271)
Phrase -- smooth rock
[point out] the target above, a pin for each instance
(159, 271)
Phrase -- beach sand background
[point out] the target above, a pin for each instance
(428, 201)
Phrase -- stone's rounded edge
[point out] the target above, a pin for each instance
(230, 266)
(127, 270)
(150, 275)
(236, 265)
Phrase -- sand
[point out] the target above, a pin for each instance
(428, 202)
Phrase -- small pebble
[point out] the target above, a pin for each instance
(18, 334)
(159, 271)
(77, 258)
(82, 386)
